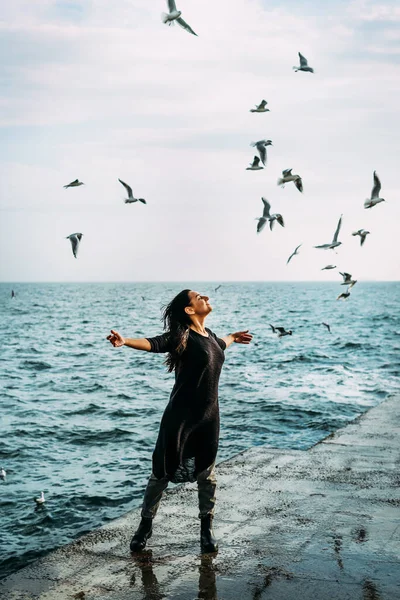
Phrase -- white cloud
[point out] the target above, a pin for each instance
(373, 11)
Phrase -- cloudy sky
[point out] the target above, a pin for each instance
(101, 90)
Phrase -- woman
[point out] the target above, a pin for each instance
(187, 442)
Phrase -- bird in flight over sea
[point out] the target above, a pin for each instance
(363, 234)
(217, 288)
(328, 267)
(281, 331)
(130, 199)
(327, 326)
(334, 243)
(268, 217)
(175, 15)
(261, 146)
(343, 296)
(287, 177)
(75, 239)
(260, 108)
(303, 65)
(255, 165)
(40, 500)
(375, 199)
(348, 280)
(293, 254)
(75, 183)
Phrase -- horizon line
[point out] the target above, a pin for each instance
(218, 281)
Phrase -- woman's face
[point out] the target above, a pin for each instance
(199, 303)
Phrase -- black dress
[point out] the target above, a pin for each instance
(187, 441)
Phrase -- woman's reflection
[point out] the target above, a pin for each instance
(152, 589)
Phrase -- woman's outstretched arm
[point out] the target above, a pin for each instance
(117, 341)
(240, 337)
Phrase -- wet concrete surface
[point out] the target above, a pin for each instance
(317, 524)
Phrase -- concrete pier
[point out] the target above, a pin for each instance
(317, 524)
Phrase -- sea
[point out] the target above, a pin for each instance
(79, 418)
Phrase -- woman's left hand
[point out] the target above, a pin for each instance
(242, 337)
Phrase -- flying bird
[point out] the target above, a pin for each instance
(175, 15)
(287, 177)
(130, 199)
(328, 267)
(255, 165)
(343, 296)
(375, 199)
(281, 331)
(260, 108)
(266, 213)
(363, 234)
(75, 183)
(327, 326)
(261, 146)
(217, 288)
(347, 280)
(293, 254)
(268, 217)
(334, 243)
(40, 500)
(303, 65)
(75, 239)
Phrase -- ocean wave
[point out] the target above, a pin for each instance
(305, 358)
(353, 345)
(87, 410)
(87, 437)
(35, 365)
(125, 413)
(394, 365)
(86, 502)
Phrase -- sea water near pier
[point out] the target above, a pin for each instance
(79, 418)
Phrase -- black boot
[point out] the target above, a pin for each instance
(208, 542)
(143, 533)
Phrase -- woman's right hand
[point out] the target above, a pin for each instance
(116, 339)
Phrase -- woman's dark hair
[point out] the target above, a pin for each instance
(176, 323)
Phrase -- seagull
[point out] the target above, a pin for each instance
(75, 239)
(303, 65)
(3, 473)
(260, 107)
(370, 202)
(255, 165)
(293, 254)
(266, 214)
(131, 198)
(217, 288)
(334, 243)
(327, 326)
(347, 280)
(328, 267)
(287, 176)
(281, 331)
(175, 15)
(362, 233)
(75, 183)
(343, 296)
(268, 217)
(261, 146)
(40, 500)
